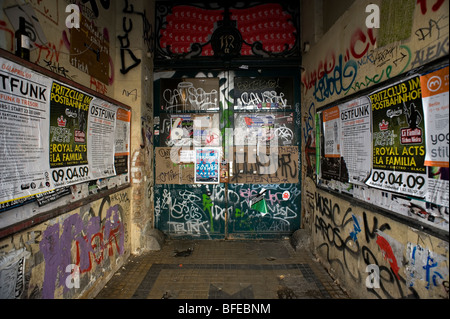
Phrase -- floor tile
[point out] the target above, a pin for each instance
(222, 270)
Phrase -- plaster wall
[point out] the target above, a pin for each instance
(347, 236)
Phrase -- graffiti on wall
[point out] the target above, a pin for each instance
(224, 210)
(189, 94)
(127, 57)
(196, 212)
(361, 63)
(346, 239)
(48, 53)
(282, 214)
(200, 211)
(425, 265)
(339, 75)
(88, 239)
(84, 239)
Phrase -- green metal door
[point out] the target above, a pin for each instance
(257, 123)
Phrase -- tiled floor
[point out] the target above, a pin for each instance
(223, 270)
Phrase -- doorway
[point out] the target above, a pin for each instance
(251, 116)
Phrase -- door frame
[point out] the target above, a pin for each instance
(220, 200)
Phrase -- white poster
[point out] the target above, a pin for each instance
(101, 138)
(356, 138)
(24, 132)
(53, 135)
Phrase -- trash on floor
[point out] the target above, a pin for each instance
(286, 293)
(183, 253)
(167, 295)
